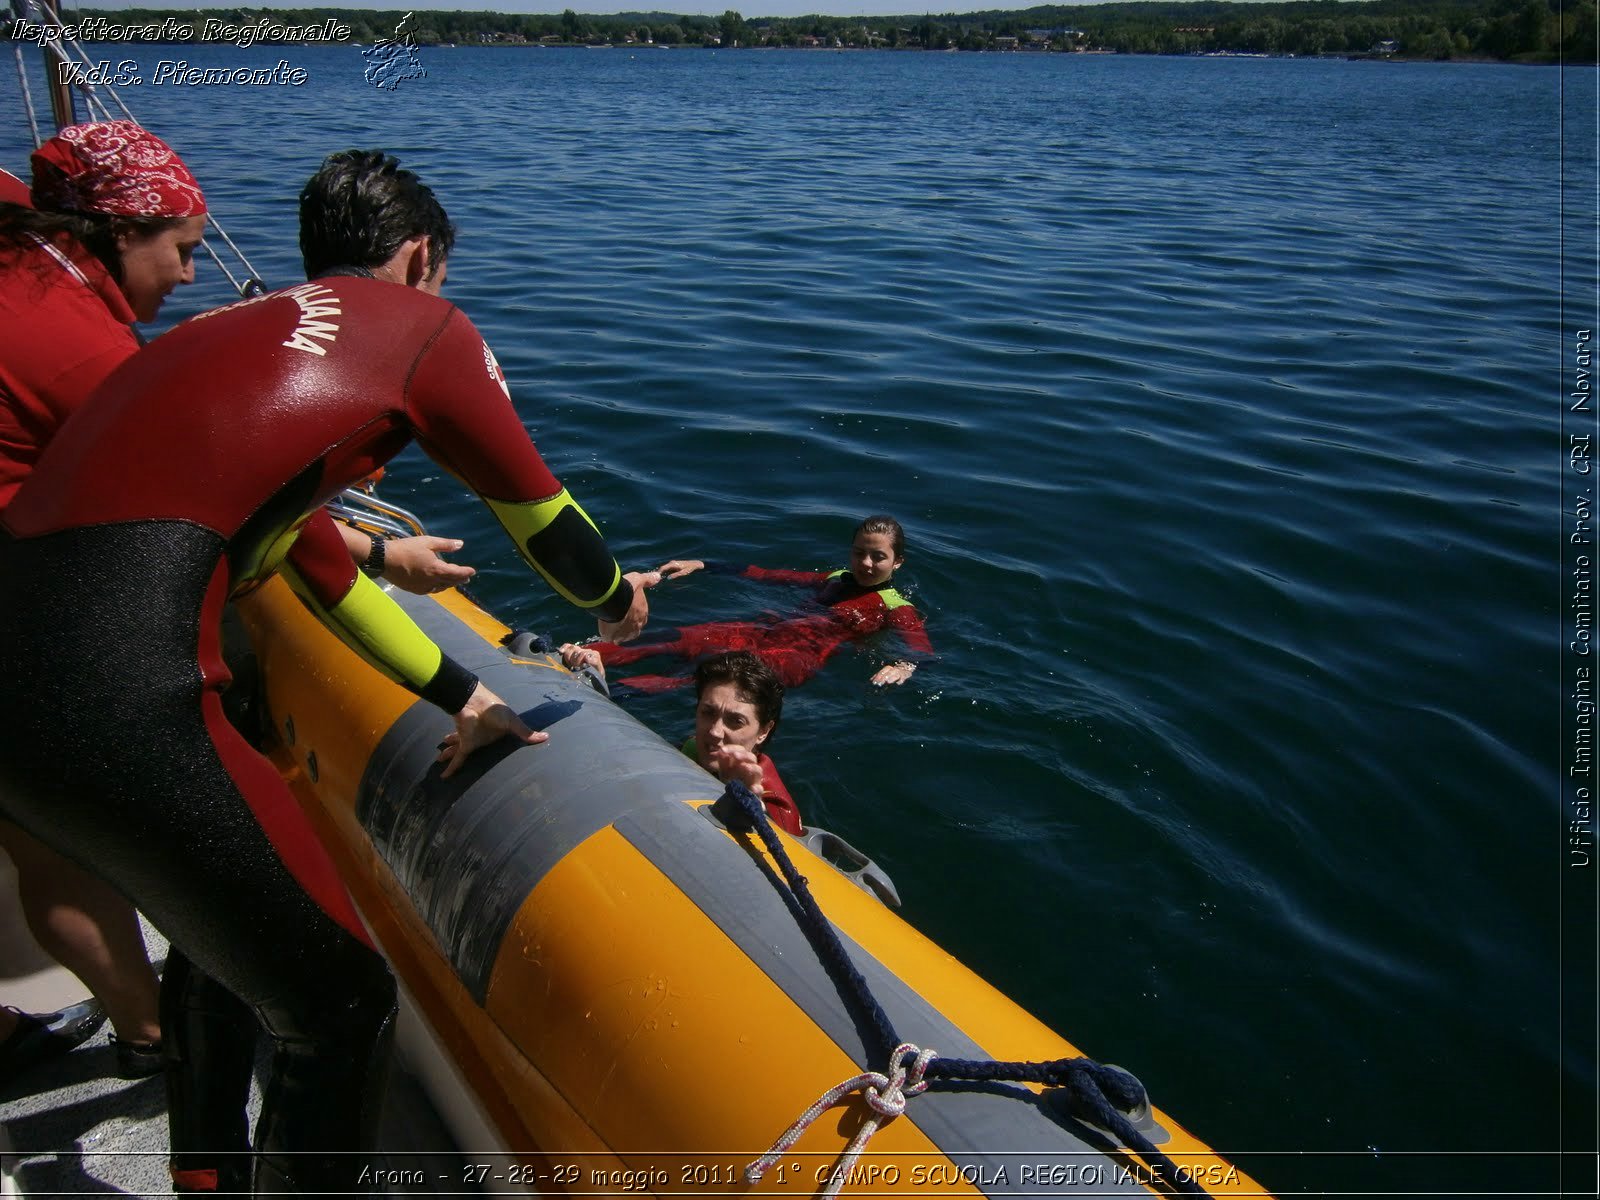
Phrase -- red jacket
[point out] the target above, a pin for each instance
(13, 190)
(67, 326)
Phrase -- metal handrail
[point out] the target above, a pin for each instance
(360, 507)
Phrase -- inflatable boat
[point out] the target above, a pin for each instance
(614, 988)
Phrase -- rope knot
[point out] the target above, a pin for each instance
(916, 1084)
(885, 1096)
(885, 1099)
(888, 1098)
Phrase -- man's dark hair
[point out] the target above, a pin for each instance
(757, 683)
(361, 207)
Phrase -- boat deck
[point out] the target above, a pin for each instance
(71, 1127)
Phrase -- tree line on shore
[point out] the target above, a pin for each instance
(1506, 30)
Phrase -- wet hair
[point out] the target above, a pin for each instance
(96, 232)
(884, 524)
(361, 207)
(756, 682)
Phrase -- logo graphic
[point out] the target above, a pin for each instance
(392, 61)
(495, 373)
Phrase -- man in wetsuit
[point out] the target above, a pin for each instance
(195, 471)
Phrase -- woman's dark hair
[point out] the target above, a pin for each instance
(361, 207)
(756, 682)
(96, 232)
(885, 524)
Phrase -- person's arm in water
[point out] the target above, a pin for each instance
(366, 619)
(905, 620)
(677, 568)
(412, 564)
(459, 406)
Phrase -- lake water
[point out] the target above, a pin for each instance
(1222, 401)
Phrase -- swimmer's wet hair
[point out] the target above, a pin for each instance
(881, 523)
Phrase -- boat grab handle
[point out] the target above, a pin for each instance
(520, 643)
(861, 871)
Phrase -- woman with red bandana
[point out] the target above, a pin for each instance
(108, 232)
(848, 604)
(115, 221)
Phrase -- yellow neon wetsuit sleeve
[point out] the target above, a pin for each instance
(558, 540)
(378, 629)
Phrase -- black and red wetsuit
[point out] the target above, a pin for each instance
(794, 647)
(198, 468)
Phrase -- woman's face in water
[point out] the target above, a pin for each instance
(726, 717)
(872, 559)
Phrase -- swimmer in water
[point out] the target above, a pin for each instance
(848, 604)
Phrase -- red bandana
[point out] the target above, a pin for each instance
(116, 168)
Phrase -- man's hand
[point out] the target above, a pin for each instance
(632, 625)
(485, 719)
(679, 567)
(413, 564)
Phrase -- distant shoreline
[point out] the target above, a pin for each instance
(1414, 31)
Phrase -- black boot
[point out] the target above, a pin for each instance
(209, 1039)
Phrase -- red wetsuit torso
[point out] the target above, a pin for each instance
(855, 611)
(246, 419)
(339, 375)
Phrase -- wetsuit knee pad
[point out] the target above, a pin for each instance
(356, 1000)
(318, 1130)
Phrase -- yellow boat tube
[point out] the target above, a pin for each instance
(618, 983)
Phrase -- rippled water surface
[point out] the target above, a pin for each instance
(1219, 399)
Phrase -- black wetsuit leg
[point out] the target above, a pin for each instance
(117, 754)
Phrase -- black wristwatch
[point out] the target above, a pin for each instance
(373, 566)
